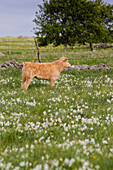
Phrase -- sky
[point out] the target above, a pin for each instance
(16, 17)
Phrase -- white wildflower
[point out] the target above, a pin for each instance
(104, 141)
(21, 149)
(112, 118)
(8, 166)
(108, 109)
(97, 167)
(72, 160)
(38, 167)
(22, 164)
(46, 167)
(111, 150)
(66, 161)
(55, 162)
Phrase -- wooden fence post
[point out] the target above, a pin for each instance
(38, 51)
(32, 48)
(9, 50)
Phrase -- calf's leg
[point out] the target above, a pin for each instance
(23, 78)
(26, 84)
(52, 82)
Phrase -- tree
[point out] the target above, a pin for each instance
(59, 21)
(69, 21)
(108, 22)
(96, 25)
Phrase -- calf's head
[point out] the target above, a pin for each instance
(66, 64)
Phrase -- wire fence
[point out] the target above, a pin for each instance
(13, 47)
(28, 46)
(21, 47)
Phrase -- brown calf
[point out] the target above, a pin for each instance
(48, 71)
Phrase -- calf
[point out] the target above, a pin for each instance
(48, 71)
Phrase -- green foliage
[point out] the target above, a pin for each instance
(58, 21)
(97, 18)
(65, 22)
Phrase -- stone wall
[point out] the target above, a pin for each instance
(101, 66)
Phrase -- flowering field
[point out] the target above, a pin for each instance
(69, 126)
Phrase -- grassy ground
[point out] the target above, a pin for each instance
(69, 126)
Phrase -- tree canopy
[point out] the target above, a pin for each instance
(97, 19)
(69, 21)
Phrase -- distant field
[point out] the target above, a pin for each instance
(17, 45)
(69, 126)
(24, 44)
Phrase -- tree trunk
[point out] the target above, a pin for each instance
(38, 51)
(91, 46)
(65, 48)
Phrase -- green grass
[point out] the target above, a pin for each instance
(69, 126)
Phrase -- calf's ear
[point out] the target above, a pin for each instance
(65, 59)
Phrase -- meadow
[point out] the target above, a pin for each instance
(69, 126)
